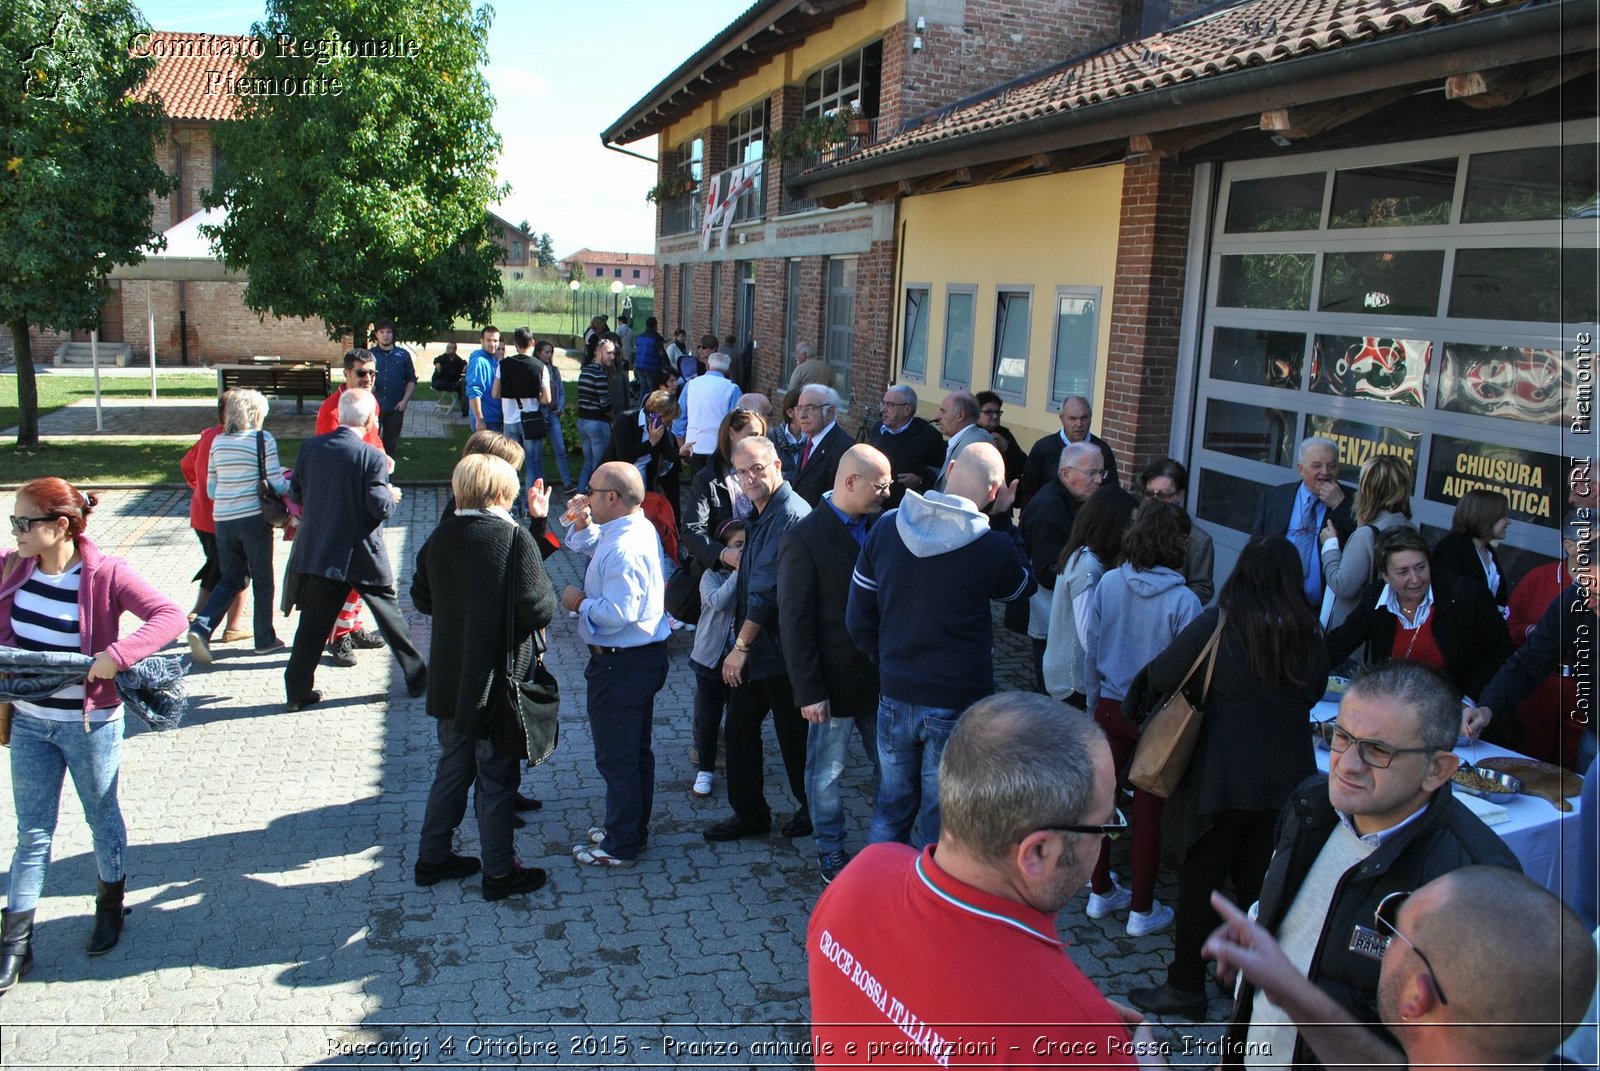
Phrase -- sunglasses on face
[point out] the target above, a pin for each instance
(21, 525)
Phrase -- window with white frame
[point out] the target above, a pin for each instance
(914, 333)
(855, 78)
(1012, 323)
(960, 309)
(1077, 336)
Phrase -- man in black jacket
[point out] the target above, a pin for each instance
(1047, 528)
(754, 669)
(835, 683)
(343, 486)
(914, 447)
(1383, 821)
(1044, 457)
(824, 443)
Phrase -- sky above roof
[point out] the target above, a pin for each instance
(561, 71)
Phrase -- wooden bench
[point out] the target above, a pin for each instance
(297, 381)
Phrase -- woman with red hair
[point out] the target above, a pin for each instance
(59, 593)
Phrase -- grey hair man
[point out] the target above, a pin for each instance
(1046, 528)
(622, 620)
(1382, 821)
(1299, 510)
(958, 419)
(342, 484)
(1044, 458)
(1516, 992)
(914, 447)
(1029, 792)
(822, 442)
(809, 369)
(919, 603)
(705, 400)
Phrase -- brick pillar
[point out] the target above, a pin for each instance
(869, 363)
(784, 114)
(1146, 310)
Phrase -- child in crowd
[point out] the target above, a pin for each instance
(713, 641)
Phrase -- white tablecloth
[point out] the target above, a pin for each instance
(1543, 838)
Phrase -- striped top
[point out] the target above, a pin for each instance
(45, 617)
(233, 474)
(594, 392)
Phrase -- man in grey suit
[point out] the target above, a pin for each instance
(958, 419)
(342, 484)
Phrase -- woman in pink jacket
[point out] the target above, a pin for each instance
(59, 593)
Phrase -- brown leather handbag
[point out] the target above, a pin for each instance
(1167, 742)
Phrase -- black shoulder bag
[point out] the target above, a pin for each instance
(273, 510)
(536, 698)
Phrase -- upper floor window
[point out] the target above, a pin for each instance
(857, 77)
(616, 273)
(599, 272)
(516, 250)
(747, 132)
(636, 273)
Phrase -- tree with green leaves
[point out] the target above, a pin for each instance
(79, 169)
(363, 192)
(546, 251)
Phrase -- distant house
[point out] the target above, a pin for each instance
(634, 269)
(521, 256)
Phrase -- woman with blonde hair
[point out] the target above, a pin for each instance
(1383, 502)
(59, 593)
(234, 471)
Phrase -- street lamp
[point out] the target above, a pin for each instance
(616, 292)
(573, 286)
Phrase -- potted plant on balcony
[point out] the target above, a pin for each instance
(671, 185)
(857, 125)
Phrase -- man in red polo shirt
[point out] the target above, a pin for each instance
(950, 957)
(360, 370)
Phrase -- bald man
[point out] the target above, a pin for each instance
(835, 684)
(622, 621)
(1457, 987)
(919, 603)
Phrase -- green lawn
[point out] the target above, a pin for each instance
(540, 323)
(57, 391)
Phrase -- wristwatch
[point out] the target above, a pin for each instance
(740, 645)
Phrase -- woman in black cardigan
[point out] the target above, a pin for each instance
(1480, 521)
(1463, 635)
(476, 561)
(1254, 748)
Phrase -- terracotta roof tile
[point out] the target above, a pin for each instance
(593, 256)
(1248, 34)
(184, 74)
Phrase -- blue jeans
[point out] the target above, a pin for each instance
(534, 462)
(622, 703)
(41, 752)
(827, 745)
(911, 739)
(595, 436)
(244, 553)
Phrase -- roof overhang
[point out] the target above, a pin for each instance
(767, 29)
(188, 256)
(1493, 40)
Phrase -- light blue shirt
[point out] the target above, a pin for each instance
(623, 588)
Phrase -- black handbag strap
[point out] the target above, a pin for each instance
(261, 454)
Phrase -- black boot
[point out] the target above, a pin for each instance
(108, 916)
(16, 947)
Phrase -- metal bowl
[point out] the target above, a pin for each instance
(1492, 785)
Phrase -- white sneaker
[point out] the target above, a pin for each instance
(673, 623)
(1115, 900)
(1145, 923)
(702, 783)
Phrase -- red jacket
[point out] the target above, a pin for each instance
(194, 465)
(328, 420)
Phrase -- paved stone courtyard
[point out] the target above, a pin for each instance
(275, 922)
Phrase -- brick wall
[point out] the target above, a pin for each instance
(1146, 310)
(988, 43)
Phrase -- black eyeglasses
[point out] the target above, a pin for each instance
(20, 525)
(991, 412)
(1111, 831)
(1374, 753)
(1386, 917)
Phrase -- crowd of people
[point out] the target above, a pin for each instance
(844, 585)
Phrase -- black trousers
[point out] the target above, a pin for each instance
(748, 705)
(320, 599)
(390, 424)
(1235, 850)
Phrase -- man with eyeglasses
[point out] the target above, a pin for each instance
(1045, 456)
(755, 668)
(990, 409)
(834, 683)
(349, 630)
(1047, 526)
(914, 447)
(1458, 987)
(951, 954)
(622, 620)
(1384, 820)
(822, 443)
